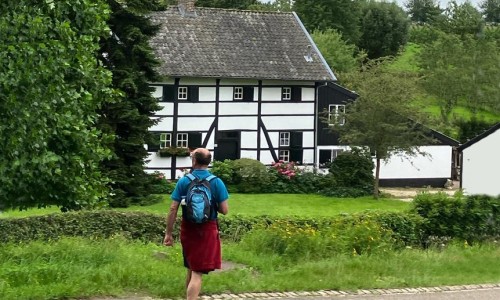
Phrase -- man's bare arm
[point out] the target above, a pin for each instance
(223, 207)
(172, 215)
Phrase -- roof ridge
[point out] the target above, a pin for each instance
(238, 10)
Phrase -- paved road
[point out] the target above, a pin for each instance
(486, 294)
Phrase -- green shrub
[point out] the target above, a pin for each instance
(224, 170)
(250, 175)
(472, 218)
(307, 242)
(150, 227)
(353, 169)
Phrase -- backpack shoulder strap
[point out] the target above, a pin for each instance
(210, 178)
(191, 177)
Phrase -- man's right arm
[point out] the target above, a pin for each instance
(172, 215)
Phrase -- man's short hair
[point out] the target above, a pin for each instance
(202, 159)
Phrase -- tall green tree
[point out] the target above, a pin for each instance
(384, 29)
(461, 19)
(127, 54)
(380, 118)
(423, 11)
(51, 86)
(491, 10)
(461, 71)
(341, 15)
(340, 56)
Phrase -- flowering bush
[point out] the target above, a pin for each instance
(285, 169)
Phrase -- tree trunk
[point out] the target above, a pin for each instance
(377, 175)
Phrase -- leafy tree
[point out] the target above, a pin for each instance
(384, 29)
(461, 71)
(380, 118)
(491, 10)
(423, 11)
(461, 19)
(126, 52)
(50, 88)
(341, 56)
(341, 15)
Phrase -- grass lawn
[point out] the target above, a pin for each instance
(77, 268)
(304, 205)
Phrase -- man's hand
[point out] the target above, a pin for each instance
(168, 240)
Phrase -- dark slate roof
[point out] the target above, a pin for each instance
(480, 137)
(225, 43)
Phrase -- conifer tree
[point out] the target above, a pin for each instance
(127, 54)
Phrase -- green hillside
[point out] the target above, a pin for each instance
(406, 61)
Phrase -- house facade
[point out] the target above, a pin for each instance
(480, 163)
(239, 83)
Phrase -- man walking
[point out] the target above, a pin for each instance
(200, 242)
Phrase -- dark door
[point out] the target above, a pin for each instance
(228, 145)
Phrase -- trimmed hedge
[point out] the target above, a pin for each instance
(150, 227)
(471, 218)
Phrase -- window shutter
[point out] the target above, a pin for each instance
(296, 93)
(325, 156)
(296, 139)
(169, 93)
(194, 140)
(296, 155)
(193, 94)
(154, 144)
(248, 93)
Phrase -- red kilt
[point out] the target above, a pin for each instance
(201, 246)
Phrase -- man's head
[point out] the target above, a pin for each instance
(201, 158)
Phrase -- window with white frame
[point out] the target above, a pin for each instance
(182, 93)
(286, 93)
(336, 114)
(165, 140)
(284, 155)
(284, 139)
(182, 140)
(238, 93)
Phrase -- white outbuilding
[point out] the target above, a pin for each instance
(480, 163)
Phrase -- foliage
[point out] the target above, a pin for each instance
(340, 15)
(424, 34)
(223, 170)
(461, 19)
(384, 29)
(491, 10)
(250, 175)
(353, 169)
(382, 118)
(173, 151)
(160, 185)
(340, 56)
(472, 218)
(461, 71)
(468, 129)
(149, 227)
(127, 54)
(50, 88)
(423, 11)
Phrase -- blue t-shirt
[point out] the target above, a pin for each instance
(217, 187)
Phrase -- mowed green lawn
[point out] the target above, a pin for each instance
(305, 205)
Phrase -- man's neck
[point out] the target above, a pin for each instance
(200, 167)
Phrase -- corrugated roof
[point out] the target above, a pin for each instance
(226, 43)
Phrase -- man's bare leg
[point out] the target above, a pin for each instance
(194, 286)
(188, 277)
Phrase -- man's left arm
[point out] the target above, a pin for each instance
(222, 196)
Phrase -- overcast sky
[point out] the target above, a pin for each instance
(442, 3)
